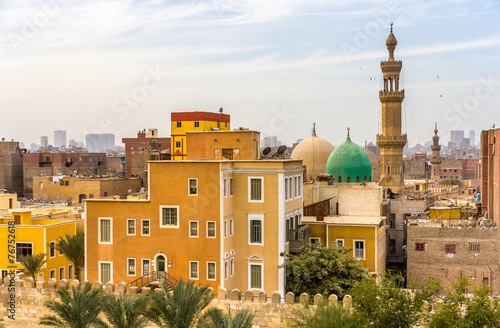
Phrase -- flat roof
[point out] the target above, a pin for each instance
(347, 219)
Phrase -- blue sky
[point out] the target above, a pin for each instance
(274, 66)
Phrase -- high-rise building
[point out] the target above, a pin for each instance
(392, 140)
(44, 142)
(98, 142)
(436, 159)
(472, 137)
(456, 137)
(59, 138)
(11, 166)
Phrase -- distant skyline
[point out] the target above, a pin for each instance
(274, 66)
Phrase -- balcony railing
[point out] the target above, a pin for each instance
(154, 276)
(298, 238)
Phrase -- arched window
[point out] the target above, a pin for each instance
(388, 169)
(340, 179)
(364, 178)
(357, 178)
(348, 179)
(370, 178)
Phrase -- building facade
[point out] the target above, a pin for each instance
(490, 174)
(99, 142)
(11, 167)
(60, 139)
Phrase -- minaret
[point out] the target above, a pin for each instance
(391, 141)
(436, 159)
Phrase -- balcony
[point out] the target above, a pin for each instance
(298, 238)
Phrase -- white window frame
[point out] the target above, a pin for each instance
(61, 268)
(250, 275)
(142, 227)
(295, 189)
(314, 238)
(290, 188)
(189, 187)
(215, 229)
(226, 228)
(169, 226)
(337, 242)
(71, 274)
(231, 227)
(131, 234)
(255, 217)
(50, 274)
(99, 270)
(110, 231)
(197, 229)
(231, 267)
(250, 190)
(354, 249)
(52, 249)
(142, 266)
(286, 188)
(226, 270)
(225, 187)
(198, 271)
(135, 267)
(299, 185)
(215, 271)
(230, 187)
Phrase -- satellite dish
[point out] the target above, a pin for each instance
(220, 110)
(266, 151)
(153, 142)
(281, 149)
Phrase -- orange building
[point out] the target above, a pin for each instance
(183, 122)
(223, 223)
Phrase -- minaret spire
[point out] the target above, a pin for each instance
(314, 130)
(436, 159)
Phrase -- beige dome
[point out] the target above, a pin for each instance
(374, 161)
(314, 151)
(391, 40)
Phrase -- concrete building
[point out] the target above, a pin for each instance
(11, 166)
(471, 169)
(456, 137)
(44, 142)
(392, 140)
(7, 200)
(490, 174)
(472, 138)
(436, 158)
(60, 139)
(183, 122)
(99, 142)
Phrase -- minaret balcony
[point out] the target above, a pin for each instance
(391, 63)
(391, 96)
(435, 147)
(397, 142)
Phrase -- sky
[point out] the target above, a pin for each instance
(275, 66)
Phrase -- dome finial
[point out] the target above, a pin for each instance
(435, 129)
(348, 132)
(314, 130)
(391, 26)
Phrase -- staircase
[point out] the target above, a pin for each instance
(154, 280)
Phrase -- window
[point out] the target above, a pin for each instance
(474, 247)
(314, 242)
(130, 267)
(177, 144)
(211, 271)
(40, 184)
(230, 186)
(61, 273)
(287, 230)
(179, 124)
(211, 229)
(193, 187)
(392, 246)
(145, 228)
(449, 248)
(232, 267)
(52, 250)
(105, 231)
(193, 228)
(130, 227)
(225, 187)
(420, 247)
(193, 270)
(340, 178)
(231, 227)
(299, 186)
(145, 266)
(357, 178)
(23, 249)
(290, 187)
(348, 179)
(105, 272)
(61, 252)
(53, 274)
(71, 272)
(295, 181)
(256, 276)
(392, 221)
(340, 242)
(225, 229)
(286, 188)
(196, 124)
(255, 189)
(359, 249)
(255, 227)
(169, 217)
(226, 270)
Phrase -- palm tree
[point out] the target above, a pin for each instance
(214, 318)
(182, 307)
(77, 309)
(124, 312)
(73, 249)
(32, 264)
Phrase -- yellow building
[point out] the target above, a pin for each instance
(222, 223)
(7, 200)
(32, 236)
(183, 122)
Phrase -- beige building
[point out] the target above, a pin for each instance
(11, 166)
(7, 200)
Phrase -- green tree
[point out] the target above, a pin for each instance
(73, 249)
(32, 264)
(122, 312)
(77, 309)
(182, 307)
(323, 270)
(387, 305)
(215, 318)
(327, 315)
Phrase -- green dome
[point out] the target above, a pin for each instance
(349, 163)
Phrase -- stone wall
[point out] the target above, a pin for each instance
(270, 310)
